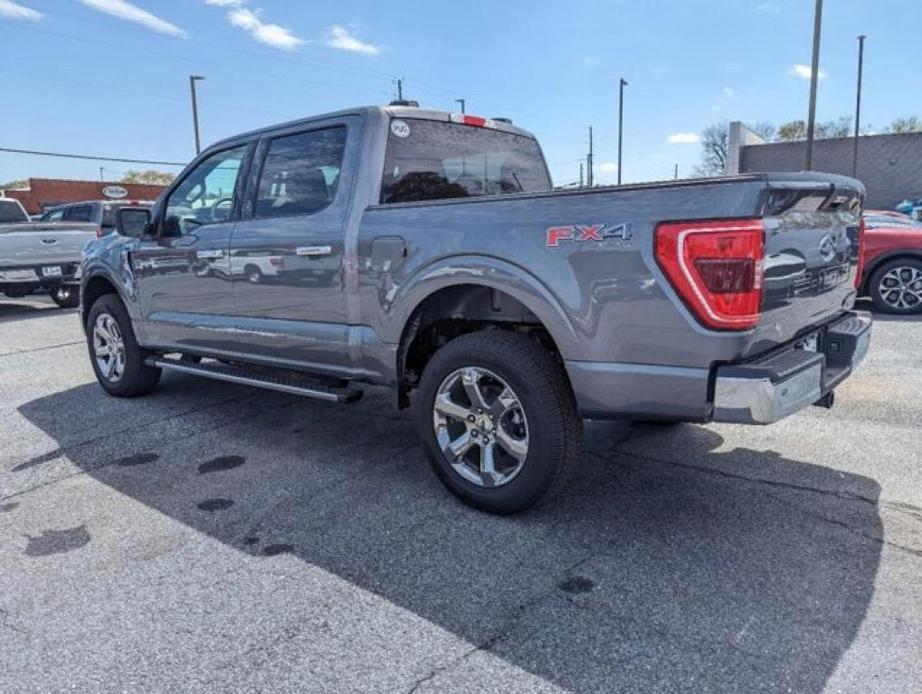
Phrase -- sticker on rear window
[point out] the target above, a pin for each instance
(400, 128)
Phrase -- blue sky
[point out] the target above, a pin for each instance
(110, 77)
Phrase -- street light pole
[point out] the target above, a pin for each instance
(589, 163)
(861, 39)
(621, 85)
(814, 78)
(192, 80)
(462, 102)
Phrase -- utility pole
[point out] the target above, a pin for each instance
(814, 78)
(101, 179)
(462, 102)
(192, 80)
(861, 39)
(621, 85)
(580, 173)
(400, 89)
(589, 160)
(676, 175)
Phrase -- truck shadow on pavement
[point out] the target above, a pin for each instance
(667, 565)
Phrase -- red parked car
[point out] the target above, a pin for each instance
(892, 262)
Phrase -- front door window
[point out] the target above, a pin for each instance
(206, 195)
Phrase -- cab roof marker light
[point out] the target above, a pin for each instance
(476, 121)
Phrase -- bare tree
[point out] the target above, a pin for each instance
(763, 129)
(714, 145)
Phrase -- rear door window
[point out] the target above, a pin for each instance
(301, 172)
(435, 160)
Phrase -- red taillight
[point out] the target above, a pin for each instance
(277, 261)
(716, 267)
(862, 229)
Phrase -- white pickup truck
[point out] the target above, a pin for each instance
(41, 255)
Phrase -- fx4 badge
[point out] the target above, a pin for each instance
(620, 234)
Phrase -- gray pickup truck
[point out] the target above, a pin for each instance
(40, 255)
(427, 252)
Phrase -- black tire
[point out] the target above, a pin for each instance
(903, 267)
(554, 428)
(136, 378)
(66, 295)
(253, 274)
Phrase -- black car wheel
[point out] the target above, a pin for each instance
(498, 421)
(116, 357)
(896, 286)
(66, 296)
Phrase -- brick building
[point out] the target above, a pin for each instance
(48, 192)
(890, 166)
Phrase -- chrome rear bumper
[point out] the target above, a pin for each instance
(771, 388)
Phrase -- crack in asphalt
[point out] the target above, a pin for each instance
(848, 496)
(503, 632)
(40, 349)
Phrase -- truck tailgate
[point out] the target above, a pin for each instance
(29, 245)
(811, 253)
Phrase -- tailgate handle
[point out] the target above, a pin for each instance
(49, 241)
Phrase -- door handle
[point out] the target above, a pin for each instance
(314, 250)
(209, 255)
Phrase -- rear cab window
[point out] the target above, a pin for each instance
(437, 160)
(10, 212)
(80, 213)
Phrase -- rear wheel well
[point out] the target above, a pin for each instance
(455, 311)
(880, 262)
(95, 288)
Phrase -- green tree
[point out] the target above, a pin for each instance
(13, 185)
(150, 177)
(912, 124)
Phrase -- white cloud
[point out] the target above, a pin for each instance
(590, 61)
(768, 8)
(132, 13)
(728, 92)
(264, 32)
(11, 10)
(251, 21)
(683, 138)
(804, 72)
(340, 38)
(609, 166)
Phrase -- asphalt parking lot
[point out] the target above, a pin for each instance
(217, 538)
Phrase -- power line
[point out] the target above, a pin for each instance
(94, 158)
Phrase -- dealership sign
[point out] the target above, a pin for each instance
(114, 192)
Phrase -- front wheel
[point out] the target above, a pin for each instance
(498, 421)
(116, 357)
(66, 295)
(896, 286)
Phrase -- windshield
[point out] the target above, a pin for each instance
(10, 211)
(433, 160)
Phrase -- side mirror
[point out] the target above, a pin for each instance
(132, 221)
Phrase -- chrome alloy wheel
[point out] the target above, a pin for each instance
(480, 426)
(901, 288)
(108, 347)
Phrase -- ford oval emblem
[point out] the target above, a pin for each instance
(115, 192)
(828, 247)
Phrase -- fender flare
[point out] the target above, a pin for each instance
(488, 271)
